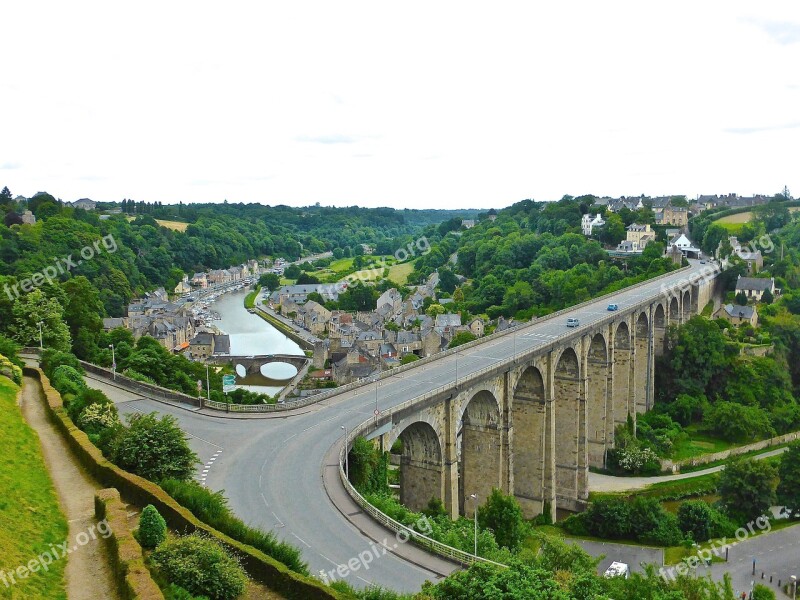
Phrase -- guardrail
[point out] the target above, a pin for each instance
(459, 556)
(424, 361)
(303, 402)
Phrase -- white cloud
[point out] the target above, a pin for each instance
(448, 104)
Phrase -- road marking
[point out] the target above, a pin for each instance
(301, 539)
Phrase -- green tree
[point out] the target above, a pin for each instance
(409, 358)
(738, 423)
(461, 338)
(83, 312)
(694, 518)
(270, 281)
(788, 493)
(435, 309)
(152, 528)
(747, 489)
(33, 308)
(154, 448)
(741, 299)
(767, 297)
(503, 515)
(447, 280)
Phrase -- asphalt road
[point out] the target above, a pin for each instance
(271, 468)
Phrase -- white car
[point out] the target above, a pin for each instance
(573, 322)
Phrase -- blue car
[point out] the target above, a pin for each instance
(613, 307)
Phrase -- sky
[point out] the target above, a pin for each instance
(415, 104)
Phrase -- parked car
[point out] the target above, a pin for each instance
(613, 307)
(573, 322)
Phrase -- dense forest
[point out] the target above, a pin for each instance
(529, 260)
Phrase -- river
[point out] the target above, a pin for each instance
(252, 335)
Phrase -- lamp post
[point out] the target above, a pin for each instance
(346, 455)
(41, 343)
(208, 385)
(377, 384)
(113, 362)
(474, 498)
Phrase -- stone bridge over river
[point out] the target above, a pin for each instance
(252, 364)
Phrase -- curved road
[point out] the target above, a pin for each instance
(271, 467)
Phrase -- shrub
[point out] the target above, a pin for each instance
(176, 592)
(212, 508)
(67, 380)
(152, 528)
(53, 358)
(97, 417)
(200, 566)
(503, 515)
(154, 448)
(85, 398)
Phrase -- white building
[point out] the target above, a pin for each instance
(588, 223)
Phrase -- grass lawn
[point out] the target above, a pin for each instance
(735, 219)
(399, 273)
(174, 225)
(30, 517)
(340, 265)
(699, 443)
(250, 299)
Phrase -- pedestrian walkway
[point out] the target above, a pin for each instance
(89, 575)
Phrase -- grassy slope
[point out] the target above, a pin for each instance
(30, 517)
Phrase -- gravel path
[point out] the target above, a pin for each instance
(89, 575)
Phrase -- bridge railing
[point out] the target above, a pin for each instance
(403, 368)
(435, 546)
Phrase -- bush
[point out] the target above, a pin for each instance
(97, 417)
(154, 448)
(176, 592)
(503, 515)
(53, 358)
(212, 508)
(152, 528)
(200, 566)
(67, 380)
(84, 399)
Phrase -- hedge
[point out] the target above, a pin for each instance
(133, 576)
(142, 492)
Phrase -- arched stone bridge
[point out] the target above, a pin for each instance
(533, 425)
(253, 364)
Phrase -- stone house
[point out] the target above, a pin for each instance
(738, 315)
(754, 288)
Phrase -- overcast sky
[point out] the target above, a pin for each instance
(405, 104)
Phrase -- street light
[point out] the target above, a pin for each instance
(208, 385)
(41, 343)
(474, 498)
(377, 383)
(346, 455)
(113, 362)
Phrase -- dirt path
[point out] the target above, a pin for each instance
(88, 574)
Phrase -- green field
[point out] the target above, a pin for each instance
(399, 273)
(698, 444)
(30, 517)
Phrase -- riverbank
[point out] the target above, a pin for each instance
(301, 338)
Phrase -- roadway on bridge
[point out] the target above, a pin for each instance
(271, 468)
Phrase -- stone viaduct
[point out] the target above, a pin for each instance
(533, 426)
